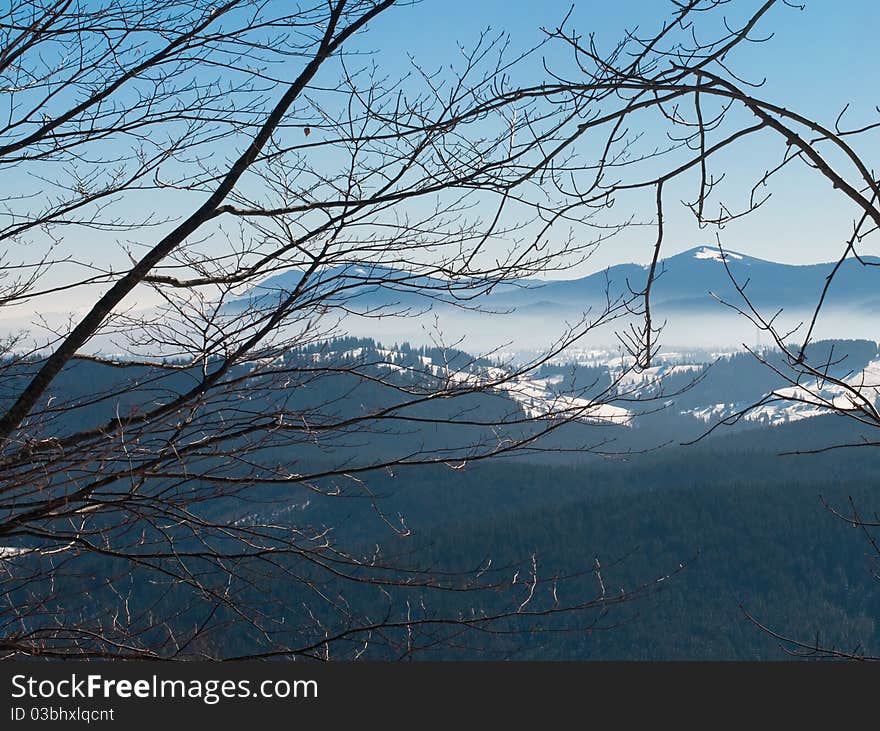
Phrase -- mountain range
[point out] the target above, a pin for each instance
(691, 281)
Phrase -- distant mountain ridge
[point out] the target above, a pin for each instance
(690, 281)
(363, 286)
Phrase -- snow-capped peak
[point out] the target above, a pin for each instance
(707, 252)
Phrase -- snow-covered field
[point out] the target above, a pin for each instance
(813, 398)
(537, 396)
(629, 379)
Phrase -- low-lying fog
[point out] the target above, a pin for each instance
(480, 332)
(725, 330)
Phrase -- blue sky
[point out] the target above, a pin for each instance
(818, 60)
(827, 51)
